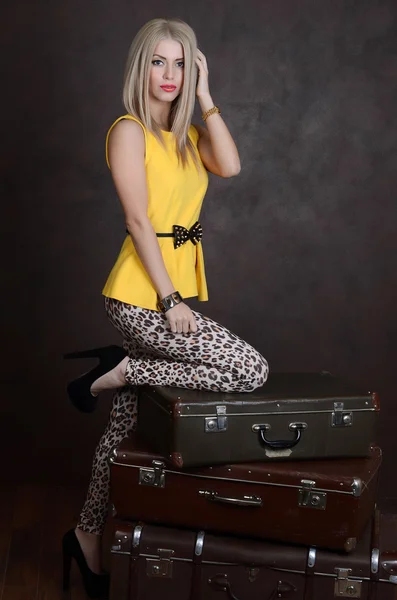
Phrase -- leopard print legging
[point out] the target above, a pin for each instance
(212, 358)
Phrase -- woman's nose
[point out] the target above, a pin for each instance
(169, 72)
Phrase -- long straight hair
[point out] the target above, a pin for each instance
(136, 81)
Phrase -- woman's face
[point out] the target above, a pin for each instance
(167, 70)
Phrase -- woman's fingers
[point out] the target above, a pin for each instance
(201, 57)
(181, 319)
(185, 325)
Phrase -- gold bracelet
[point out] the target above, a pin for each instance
(210, 112)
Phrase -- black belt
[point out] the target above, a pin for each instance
(181, 235)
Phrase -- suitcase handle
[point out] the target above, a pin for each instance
(279, 444)
(250, 501)
(283, 590)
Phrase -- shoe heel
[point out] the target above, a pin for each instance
(67, 565)
(79, 390)
(93, 353)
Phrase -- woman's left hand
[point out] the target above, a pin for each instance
(202, 84)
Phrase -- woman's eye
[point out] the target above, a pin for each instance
(157, 62)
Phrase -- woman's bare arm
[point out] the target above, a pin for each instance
(127, 163)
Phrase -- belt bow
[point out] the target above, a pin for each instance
(182, 235)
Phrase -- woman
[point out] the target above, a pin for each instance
(159, 164)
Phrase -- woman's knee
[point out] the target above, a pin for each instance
(255, 371)
(261, 370)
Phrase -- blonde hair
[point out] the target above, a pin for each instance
(136, 81)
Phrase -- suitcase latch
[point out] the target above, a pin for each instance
(309, 498)
(345, 587)
(153, 476)
(218, 423)
(162, 566)
(341, 417)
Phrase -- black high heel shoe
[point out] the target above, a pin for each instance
(96, 586)
(79, 389)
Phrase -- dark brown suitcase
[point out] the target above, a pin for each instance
(322, 503)
(158, 563)
(293, 416)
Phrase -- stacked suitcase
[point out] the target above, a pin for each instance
(270, 494)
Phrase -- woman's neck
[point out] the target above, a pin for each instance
(160, 112)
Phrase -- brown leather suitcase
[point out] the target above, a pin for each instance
(152, 563)
(323, 503)
(293, 416)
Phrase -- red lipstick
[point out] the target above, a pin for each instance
(168, 88)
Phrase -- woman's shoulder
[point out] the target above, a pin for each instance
(126, 130)
(127, 122)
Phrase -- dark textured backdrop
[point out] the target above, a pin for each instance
(300, 249)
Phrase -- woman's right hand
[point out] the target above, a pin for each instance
(181, 319)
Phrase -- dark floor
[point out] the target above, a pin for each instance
(33, 519)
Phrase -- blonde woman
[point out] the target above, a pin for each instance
(159, 164)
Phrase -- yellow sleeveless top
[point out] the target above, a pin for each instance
(175, 197)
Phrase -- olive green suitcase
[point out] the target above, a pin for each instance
(293, 416)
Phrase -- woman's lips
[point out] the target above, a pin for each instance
(168, 88)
